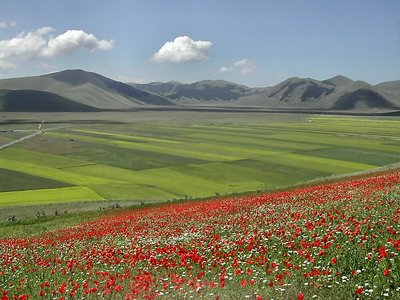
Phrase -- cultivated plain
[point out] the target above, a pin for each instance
(148, 157)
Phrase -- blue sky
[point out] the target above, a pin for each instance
(257, 43)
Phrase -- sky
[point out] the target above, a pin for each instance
(254, 42)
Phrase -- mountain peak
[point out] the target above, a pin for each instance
(172, 82)
(339, 80)
(87, 88)
(76, 77)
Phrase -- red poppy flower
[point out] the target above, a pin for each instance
(386, 272)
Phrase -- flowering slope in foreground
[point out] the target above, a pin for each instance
(339, 240)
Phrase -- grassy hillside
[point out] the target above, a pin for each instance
(362, 97)
(327, 241)
(88, 89)
(38, 101)
(337, 93)
(391, 89)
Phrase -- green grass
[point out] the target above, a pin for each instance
(192, 151)
(333, 140)
(365, 156)
(341, 124)
(291, 173)
(56, 195)
(39, 158)
(139, 192)
(332, 166)
(129, 158)
(159, 161)
(36, 169)
(34, 226)
(15, 181)
(127, 137)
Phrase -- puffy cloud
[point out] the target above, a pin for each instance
(5, 24)
(246, 66)
(182, 49)
(40, 43)
(23, 46)
(72, 40)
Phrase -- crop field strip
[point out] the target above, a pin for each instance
(47, 196)
(158, 162)
(12, 181)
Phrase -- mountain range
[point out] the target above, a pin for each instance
(78, 90)
(72, 90)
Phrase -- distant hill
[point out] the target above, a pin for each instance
(390, 89)
(206, 91)
(338, 93)
(163, 88)
(362, 97)
(339, 80)
(291, 92)
(78, 90)
(38, 101)
(78, 86)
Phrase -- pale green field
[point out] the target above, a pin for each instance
(147, 161)
(46, 196)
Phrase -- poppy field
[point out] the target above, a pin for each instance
(332, 241)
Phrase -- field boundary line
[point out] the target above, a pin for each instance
(36, 133)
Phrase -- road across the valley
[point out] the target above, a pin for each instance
(38, 132)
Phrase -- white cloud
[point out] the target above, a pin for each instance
(23, 46)
(44, 30)
(225, 69)
(72, 40)
(40, 43)
(246, 66)
(183, 49)
(5, 24)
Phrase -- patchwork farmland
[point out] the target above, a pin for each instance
(163, 161)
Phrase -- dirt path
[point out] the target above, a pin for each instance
(38, 132)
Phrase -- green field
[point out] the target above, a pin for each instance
(152, 161)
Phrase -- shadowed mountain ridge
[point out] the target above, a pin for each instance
(96, 92)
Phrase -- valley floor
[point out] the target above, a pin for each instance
(97, 160)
